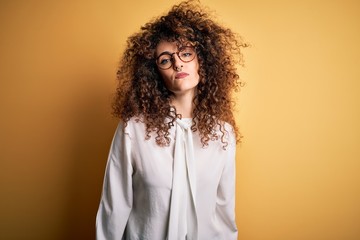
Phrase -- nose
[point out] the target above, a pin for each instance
(177, 63)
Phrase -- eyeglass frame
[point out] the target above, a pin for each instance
(172, 58)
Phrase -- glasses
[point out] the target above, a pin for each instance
(166, 60)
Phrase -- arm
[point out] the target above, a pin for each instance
(226, 195)
(117, 197)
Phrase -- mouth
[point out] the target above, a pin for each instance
(181, 75)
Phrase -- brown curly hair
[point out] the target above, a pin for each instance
(141, 91)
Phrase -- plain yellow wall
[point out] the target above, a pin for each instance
(297, 168)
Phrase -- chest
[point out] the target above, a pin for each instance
(153, 165)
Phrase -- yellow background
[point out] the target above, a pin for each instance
(297, 168)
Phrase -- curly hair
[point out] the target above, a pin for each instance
(141, 91)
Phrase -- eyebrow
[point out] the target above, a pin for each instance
(163, 53)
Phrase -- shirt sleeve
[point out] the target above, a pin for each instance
(117, 196)
(225, 207)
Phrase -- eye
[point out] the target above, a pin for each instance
(164, 60)
(186, 54)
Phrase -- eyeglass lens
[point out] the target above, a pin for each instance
(165, 60)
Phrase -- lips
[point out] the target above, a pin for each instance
(181, 75)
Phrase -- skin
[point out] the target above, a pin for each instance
(184, 88)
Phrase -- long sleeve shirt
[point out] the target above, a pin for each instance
(182, 191)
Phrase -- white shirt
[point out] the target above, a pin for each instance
(182, 191)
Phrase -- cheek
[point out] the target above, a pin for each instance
(197, 68)
(196, 65)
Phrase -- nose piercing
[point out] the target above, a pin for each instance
(178, 68)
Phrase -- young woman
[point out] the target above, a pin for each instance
(171, 168)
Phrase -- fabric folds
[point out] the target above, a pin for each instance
(183, 217)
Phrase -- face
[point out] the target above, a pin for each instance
(182, 77)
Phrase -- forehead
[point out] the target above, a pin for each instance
(165, 46)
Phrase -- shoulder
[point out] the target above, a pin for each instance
(230, 131)
(226, 128)
(132, 127)
(221, 136)
(226, 133)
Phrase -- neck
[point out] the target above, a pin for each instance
(183, 104)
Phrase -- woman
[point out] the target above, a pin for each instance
(171, 168)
